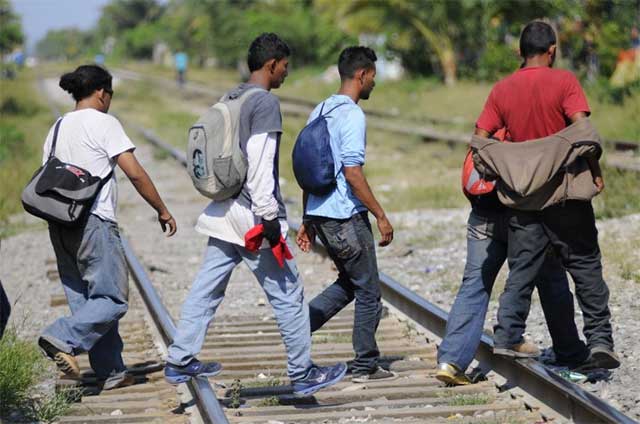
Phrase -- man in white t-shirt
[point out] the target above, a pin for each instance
(90, 256)
(226, 223)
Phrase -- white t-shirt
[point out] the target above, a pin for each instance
(90, 139)
(230, 219)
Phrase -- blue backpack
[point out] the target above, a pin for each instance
(313, 164)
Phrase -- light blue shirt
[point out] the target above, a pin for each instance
(347, 130)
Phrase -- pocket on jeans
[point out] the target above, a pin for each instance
(344, 242)
(477, 227)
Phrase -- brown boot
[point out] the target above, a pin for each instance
(65, 362)
(521, 350)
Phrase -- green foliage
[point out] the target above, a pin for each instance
(11, 141)
(50, 407)
(496, 61)
(621, 195)
(470, 399)
(65, 44)
(20, 367)
(11, 34)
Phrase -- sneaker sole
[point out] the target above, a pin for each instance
(513, 354)
(310, 391)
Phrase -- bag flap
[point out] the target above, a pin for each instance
(67, 180)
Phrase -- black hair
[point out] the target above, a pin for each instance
(265, 47)
(86, 79)
(353, 58)
(536, 38)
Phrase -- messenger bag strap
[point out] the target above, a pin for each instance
(52, 151)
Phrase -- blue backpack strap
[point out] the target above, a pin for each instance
(334, 108)
(321, 108)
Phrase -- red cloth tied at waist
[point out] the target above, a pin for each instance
(253, 240)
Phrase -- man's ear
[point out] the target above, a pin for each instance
(360, 73)
(271, 65)
(552, 50)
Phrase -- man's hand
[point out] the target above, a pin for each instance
(271, 231)
(386, 230)
(166, 220)
(599, 182)
(305, 238)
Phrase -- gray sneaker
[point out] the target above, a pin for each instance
(117, 380)
(379, 374)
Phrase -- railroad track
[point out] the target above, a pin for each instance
(251, 387)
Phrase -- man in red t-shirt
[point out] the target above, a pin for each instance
(535, 102)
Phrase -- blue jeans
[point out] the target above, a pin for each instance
(486, 253)
(93, 271)
(282, 286)
(350, 245)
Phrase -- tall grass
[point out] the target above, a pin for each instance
(20, 367)
(24, 123)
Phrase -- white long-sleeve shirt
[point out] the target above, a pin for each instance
(230, 219)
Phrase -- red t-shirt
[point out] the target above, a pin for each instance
(533, 103)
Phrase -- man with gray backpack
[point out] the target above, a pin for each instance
(327, 159)
(233, 159)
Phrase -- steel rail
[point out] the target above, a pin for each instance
(562, 396)
(210, 409)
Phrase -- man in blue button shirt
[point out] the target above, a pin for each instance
(341, 220)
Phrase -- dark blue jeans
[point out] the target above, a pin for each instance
(350, 245)
(570, 228)
(486, 253)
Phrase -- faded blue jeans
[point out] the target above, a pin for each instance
(486, 253)
(350, 245)
(282, 286)
(93, 272)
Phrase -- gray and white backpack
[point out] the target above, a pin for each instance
(215, 162)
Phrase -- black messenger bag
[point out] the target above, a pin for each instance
(60, 192)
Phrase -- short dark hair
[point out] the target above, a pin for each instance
(86, 79)
(265, 47)
(353, 58)
(536, 38)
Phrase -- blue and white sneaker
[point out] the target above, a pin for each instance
(318, 378)
(176, 374)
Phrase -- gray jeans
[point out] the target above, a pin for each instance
(93, 272)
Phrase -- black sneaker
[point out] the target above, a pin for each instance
(379, 374)
(318, 378)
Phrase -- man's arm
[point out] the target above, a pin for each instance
(594, 164)
(306, 234)
(358, 182)
(143, 184)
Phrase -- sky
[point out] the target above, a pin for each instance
(39, 16)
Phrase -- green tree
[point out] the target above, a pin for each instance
(64, 44)
(11, 34)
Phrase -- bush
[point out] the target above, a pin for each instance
(21, 364)
(10, 140)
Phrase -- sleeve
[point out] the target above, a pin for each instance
(574, 99)
(490, 118)
(261, 183)
(266, 117)
(115, 140)
(353, 138)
